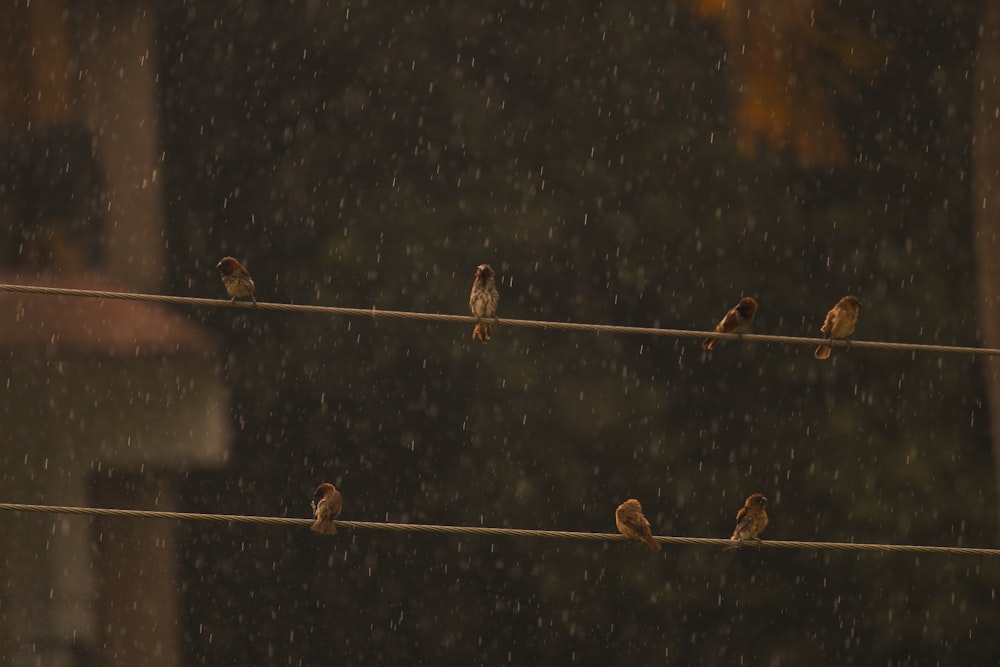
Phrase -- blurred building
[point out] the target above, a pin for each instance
(104, 403)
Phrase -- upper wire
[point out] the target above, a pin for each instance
(496, 532)
(535, 324)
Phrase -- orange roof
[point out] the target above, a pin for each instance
(68, 326)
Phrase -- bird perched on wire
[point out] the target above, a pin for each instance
(236, 278)
(633, 524)
(737, 320)
(839, 323)
(751, 520)
(326, 505)
(483, 301)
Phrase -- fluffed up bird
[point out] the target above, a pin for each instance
(326, 505)
(483, 301)
(751, 520)
(633, 524)
(737, 320)
(236, 278)
(839, 323)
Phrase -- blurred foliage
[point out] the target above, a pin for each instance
(374, 155)
(793, 60)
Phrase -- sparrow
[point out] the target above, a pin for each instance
(326, 506)
(483, 301)
(736, 320)
(633, 525)
(839, 323)
(750, 520)
(236, 278)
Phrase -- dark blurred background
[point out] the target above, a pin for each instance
(616, 164)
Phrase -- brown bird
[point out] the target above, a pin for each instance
(633, 525)
(326, 505)
(751, 520)
(839, 323)
(737, 320)
(236, 278)
(483, 301)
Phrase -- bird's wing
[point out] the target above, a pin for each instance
(828, 323)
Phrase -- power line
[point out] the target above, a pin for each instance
(468, 319)
(493, 532)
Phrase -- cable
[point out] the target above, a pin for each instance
(494, 532)
(468, 319)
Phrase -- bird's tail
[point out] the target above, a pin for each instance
(823, 352)
(651, 543)
(324, 527)
(708, 344)
(483, 331)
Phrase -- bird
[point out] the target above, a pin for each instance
(326, 505)
(737, 320)
(633, 525)
(236, 278)
(750, 520)
(483, 301)
(839, 323)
